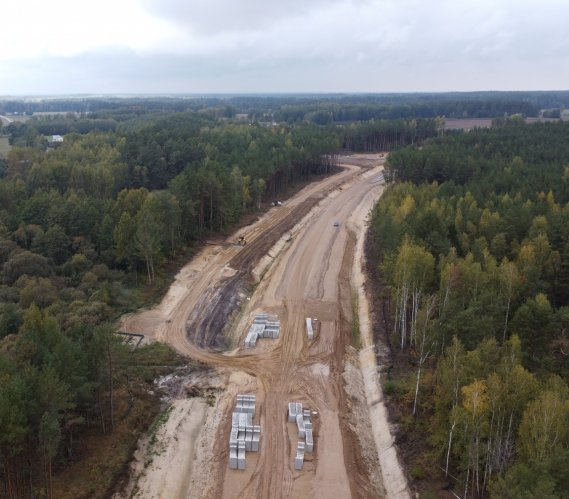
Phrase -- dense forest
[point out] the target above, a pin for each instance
(472, 241)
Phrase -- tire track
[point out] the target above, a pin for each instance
(282, 369)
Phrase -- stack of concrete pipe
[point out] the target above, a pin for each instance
(272, 328)
(254, 333)
(299, 458)
(244, 436)
(302, 418)
(309, 329)
(264, 326)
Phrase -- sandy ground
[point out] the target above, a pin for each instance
(308, 273)
(394, 479)
(168, 463)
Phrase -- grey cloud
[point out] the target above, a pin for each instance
(217, 16)
(371, 45)
(125, 72)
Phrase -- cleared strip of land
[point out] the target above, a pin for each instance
(308, 273)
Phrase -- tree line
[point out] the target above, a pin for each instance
(32, 132)
(386, 135)
(319, 109)
(472, 243)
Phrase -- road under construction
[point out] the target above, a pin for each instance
(297, 264)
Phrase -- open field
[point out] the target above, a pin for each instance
(4, 146)
(304, 267)
(470, 123)
(19, 118)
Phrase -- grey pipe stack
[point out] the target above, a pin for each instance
(244, 436)
(302, 418)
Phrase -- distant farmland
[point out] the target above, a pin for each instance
(470, 123)
(4, 147)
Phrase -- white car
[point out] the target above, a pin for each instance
(336, 224)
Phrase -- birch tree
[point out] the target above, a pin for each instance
(544, 427)
(509, 390)
(451, 376)
(510, 281)
(258, 187)
(148, 231)
(413, 273)
(426, 341)
(475, 406)
(49, 437)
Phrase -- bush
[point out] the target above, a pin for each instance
(390, 388)
(417, 473)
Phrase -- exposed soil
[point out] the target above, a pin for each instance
(306, 272)
(394, 479)
(164, 460)
(360, 427)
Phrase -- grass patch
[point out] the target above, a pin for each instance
(356, 333)
(429, 495)
(158, 423)
(396, 388)
(390, 388)
(417, 473)
(157, 354)
(156, 359)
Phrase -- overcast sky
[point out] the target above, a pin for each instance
(244, 46)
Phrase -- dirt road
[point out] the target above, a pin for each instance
(308, 273)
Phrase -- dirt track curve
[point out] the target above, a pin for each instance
(309, 276)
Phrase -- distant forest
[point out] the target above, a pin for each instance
(320, 109)
(471, 242)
